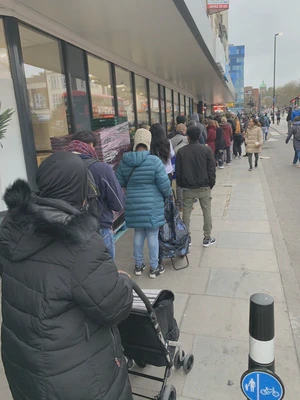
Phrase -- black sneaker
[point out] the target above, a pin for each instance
(139, 269)
(250, 169)
(190, 241)
(256, 165)
(209, 242)
(154, 273)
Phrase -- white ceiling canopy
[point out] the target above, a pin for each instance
(151, 36)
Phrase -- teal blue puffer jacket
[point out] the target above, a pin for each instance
(146, 190)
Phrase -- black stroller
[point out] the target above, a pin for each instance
(150, 337)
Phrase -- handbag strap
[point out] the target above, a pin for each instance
(132, 171)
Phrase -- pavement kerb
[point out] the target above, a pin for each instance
(288, 277)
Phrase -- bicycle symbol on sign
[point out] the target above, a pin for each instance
(267, 391)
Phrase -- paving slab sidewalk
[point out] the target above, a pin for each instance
(212, 295)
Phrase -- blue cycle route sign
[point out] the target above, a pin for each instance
(262, 385)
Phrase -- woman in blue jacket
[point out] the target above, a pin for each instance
(147, 185)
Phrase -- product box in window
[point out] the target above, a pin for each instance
(112, 142)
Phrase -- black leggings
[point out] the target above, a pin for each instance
(250, 159)
(237, 145)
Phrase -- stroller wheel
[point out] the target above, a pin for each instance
(188, 363)
(140, 364)
(178, 359)
(169, 393)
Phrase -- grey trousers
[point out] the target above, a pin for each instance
(204, 196)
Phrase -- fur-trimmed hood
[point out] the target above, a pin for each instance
(32, 223)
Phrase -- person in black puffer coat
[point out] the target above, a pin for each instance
(62, 296)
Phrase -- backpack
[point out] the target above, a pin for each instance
(297, 134)
(93, 195)
(262, 121)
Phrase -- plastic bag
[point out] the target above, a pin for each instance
(173, 235)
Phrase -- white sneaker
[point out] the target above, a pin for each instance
(222, 167)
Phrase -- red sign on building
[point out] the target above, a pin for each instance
(218, 4)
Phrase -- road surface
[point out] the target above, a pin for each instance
(284, 183)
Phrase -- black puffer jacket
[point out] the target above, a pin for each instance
(62, 298)
(195, 167)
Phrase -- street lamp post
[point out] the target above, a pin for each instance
(274, 82)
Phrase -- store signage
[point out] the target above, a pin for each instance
(218, 4)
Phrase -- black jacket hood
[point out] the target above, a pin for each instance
(32, 223)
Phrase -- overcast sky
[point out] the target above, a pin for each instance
(254, 23)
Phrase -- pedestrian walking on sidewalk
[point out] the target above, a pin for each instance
(220, 146)
(196, 174)
(264, 125)
(162, 148)
(278, 117)
(295, 132)
(147, 186)
(289, 119)
(268, 123)
(253, 141)
(62, 295)
(227, 131)
(237, 139)
(111, 197)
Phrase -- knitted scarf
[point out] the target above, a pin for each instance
(83, 148)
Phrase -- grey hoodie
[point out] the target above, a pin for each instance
(195, 117)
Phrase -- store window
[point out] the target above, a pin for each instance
(12, 163)
(77, 74)
(191, 107)
(187, 107)
(162, 106)
(154, 103)
(169, 110)
(141, 100)
(182, 109)
(176, 104)
(195, 107)
(101, 88)
(124, 94)
(46, 87)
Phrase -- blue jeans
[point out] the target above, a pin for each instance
(108, 237)
(297, 157)
(140, 234)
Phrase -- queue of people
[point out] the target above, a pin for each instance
(62, 294)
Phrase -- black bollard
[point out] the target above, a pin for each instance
(262, 332)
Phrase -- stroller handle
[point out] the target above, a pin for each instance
(142, 296)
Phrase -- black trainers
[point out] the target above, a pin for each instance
(139, 269)
(250, 169)
(190, 241)
(154, 273)
(209, 242)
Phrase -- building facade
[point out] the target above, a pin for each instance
(237, 72)
(61, 65)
